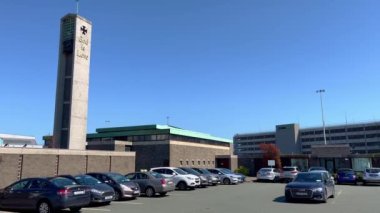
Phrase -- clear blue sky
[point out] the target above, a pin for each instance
(216, 66)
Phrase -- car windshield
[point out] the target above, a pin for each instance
(288, 169)
(316, 168)
(308, 177)
(265, 170)
(192, 171)
(87, 180)
(62, 182)
(118, 178)
(226, 171)
(205, 171)
(156, 175)
(180, 171)
(372, 170)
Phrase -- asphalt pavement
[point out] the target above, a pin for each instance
(248, 197)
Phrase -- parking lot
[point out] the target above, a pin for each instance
(247, 197)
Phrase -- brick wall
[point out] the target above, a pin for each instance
(202, 155)
(16, 163)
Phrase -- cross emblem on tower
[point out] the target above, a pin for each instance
(84, 30)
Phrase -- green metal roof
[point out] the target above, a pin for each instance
(150, 130)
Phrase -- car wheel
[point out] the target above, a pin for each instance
(75, 209)
(226, 181)
(117, 195)
(288, 197)
(44, 207)
(181, 185)
(325, 197)
(163, 193)
(149, 192)
(275, 179)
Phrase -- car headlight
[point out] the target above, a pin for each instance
(96, 191)
(190, 178)
(203, 178)
(126, 188)
(320, 189)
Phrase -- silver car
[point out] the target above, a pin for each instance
(288, 173)
(271, 174)
(151, 183)
(371, 175)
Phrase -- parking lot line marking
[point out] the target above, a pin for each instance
(128, 203)
(339, 193)
(97, 209)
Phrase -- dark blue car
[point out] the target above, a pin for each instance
(346, 176)
(316, 185)
(44, 195)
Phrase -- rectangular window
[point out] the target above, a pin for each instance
(204, 162)
(180, 163)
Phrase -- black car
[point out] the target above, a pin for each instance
(123, 187)
(316, 185)
(45, 195)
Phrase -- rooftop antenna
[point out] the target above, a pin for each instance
(77, 6)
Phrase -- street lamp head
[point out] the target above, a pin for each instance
(320, 91)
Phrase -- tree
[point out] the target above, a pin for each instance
(271, 152)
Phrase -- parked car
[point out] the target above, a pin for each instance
(317, 168)
(214, 178)
(241, 176)
(182, 179)
(151, 183)
(225, 178)
(203, 178)
(310, 186)
(100, 192)
(123, 187)
(371, 175)
(44, 195)
(288, 173)
(345, 175)
(271, 174)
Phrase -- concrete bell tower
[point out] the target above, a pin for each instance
(71, 104)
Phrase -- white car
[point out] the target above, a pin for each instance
(271, 174)
(182, 179)
(371, 175)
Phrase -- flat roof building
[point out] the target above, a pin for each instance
(8, 140)
(362, 138)
(163, 145)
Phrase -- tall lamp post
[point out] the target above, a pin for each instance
(323, 117)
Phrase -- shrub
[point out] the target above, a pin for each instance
(242, 170)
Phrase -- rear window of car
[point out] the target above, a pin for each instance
(346, 171)
(265, 170)
(288, 169)
(372, 170)
(62, 182)
(156, 175)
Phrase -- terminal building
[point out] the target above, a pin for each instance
(348, 145)
(163, 145)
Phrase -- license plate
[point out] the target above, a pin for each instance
(136, 192)
(301, 193)
(109, 197)
(79, 193)
(373, 175)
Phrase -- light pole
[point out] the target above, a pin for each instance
(323, 117)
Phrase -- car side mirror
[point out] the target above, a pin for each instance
(219, 173)
(174, 174)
